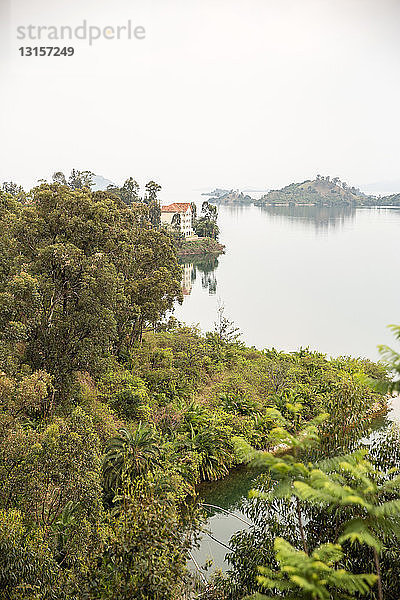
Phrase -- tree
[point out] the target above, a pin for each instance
(365, 502)
(78, 180)
(193, 209)
(153, 203)
(42, 470)
(13, 189)
(284, 469)
(311, 577)
(152, 188)
(129, 192)
(27, 567)
(224, 328)
(392, 361)
(130, 454)
(352, 481)
(59, 177)
(176, 221)
(143, 554)
(154, 282)
(215, 453)
(206, 225)
(84, 277)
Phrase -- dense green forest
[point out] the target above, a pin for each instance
(112, 411)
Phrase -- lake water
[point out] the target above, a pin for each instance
(302, 276)
(294, 276)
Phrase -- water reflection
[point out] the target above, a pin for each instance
(321, 217)
(203, 266)
(188, 276)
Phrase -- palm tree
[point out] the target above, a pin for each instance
(131, 453)
(215, 455)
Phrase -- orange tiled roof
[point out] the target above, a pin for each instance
(176, 207)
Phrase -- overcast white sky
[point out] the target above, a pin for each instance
(236, 93)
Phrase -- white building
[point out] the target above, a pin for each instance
(184, 210)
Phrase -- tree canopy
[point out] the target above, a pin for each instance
(83, 274)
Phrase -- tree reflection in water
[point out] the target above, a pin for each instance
(205, 266)
(322, 217)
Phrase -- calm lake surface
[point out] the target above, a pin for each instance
(294, 277)
(326, 278)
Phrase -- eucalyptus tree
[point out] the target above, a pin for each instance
(206, 224)
(84, 276)
(130, 191)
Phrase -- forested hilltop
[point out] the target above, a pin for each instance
(112, 412)
(320, 191)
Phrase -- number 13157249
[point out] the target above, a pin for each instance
(46, 51)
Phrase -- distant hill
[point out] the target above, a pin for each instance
(231, 197)
(320, 191)
(101, 183)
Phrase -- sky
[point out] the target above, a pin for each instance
(228, 93)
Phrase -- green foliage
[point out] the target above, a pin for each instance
(109, 416)
(27, 567)
(353, 481)
(345, 499)
(130, 454)
(312, 577)
(215, 453)
(85, 277)
(43, 469)
(125, 392)
(143, 552)
(206, 224)
(392, 361)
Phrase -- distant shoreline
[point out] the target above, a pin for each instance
(321, 191)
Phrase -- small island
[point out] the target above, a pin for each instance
(324, 191)
(229, 197)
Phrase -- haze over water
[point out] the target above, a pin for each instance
(321, 277)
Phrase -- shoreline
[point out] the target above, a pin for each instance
(200, 247)
(378, 409)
